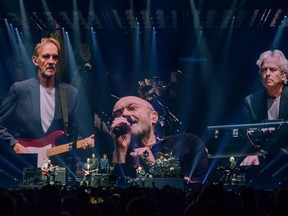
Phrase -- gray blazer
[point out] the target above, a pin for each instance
(20, 111)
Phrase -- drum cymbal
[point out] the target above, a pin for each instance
(160, 154)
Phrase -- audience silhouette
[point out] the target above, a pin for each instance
(203, 200)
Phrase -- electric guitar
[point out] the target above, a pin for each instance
(45, 146)
(87, 172)
(51, 170)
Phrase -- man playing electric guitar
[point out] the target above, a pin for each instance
(45, 146)
(49, 171)
(40, 106)
(88, 170)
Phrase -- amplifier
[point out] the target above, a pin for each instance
(32, 176)
(61, 175)
(28, 175)
(100, 180)
(39, 178)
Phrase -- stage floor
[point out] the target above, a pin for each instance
(269, 175)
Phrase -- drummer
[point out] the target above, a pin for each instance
(161, 161)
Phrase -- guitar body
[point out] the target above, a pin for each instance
(87, 172)
(45, 146)
(39, 146)
(41, 152)
(51, 171)
(42, 142)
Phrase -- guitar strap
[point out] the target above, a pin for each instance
(63, 99)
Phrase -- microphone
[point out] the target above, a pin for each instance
(122, 128)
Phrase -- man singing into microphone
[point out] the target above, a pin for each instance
(133, 131)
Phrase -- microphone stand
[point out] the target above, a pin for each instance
(167, 112)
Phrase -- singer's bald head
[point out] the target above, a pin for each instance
(138, 111)
(132, 100)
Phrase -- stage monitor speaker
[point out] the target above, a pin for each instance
(61, 175)
(161, 182)
(38, 177)
(28, 175)
(79, 171)
(102, 180)
(240, 179)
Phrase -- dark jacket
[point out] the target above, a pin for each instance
(255, 107)
(191, 152)
(188, 148)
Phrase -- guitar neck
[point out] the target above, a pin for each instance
(81, 144)
(65, 148)
(58, 149)
(45, 146)
(90, 171)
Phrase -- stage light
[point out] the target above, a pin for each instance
(131, 19)
(174, 19)
(145, 17)
(160, 17)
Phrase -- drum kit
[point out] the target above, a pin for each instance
(150, 89)
(167, 165)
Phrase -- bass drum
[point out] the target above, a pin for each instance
(160, 171)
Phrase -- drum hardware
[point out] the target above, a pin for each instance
(166, 165)
(151, 89)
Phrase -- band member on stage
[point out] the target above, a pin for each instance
(49, 171)
(140, 176)
(232, 172)
(161, 165)
(104, 164)
(229, 172)
(87, 171)
(161, 161)
(133, 131)
(233, 163)
(94, 162)
(270, 103)
(32, 109)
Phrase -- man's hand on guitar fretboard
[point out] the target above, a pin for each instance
(45, 146)
(87, 172)
(50, 170)
(89, 142)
